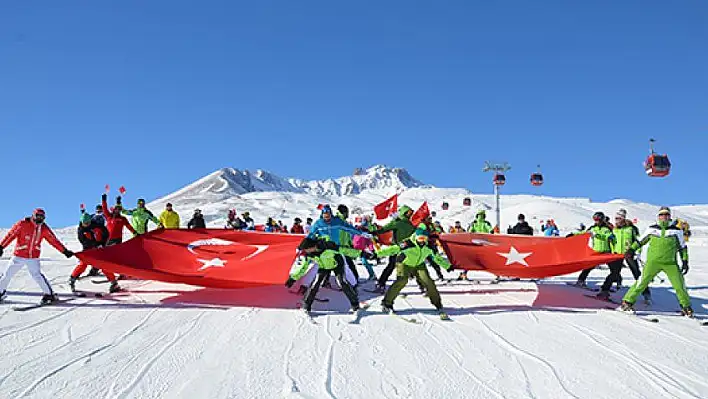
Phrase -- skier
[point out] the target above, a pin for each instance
(457, 228)
(250, 224)
(169, 218)
(625, 234)
(141, 217)
(360, 242)
(115, 221)
(345, 239)
(91, 235)
(270, 226)
(480, 225)
(664, 242)
(234, 222)
(98, 215)
(522, 227)
(550, 229)
(601, 241)
(402, 229)
(433, 238)
(329, 258)
(29, 233)
(308, 225)
(411, 255)
(297, 227)
(197, 220)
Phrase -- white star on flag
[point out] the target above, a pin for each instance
(514, 256)
(216, 262)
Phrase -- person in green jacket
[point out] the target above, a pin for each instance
(626, 234)
(411, 255)
(601, 241)
(402, 229)
(329, 258)
(140, 217)
(664, 242)
(480, 225)
(345, 239)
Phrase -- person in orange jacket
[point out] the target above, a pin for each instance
(29, 233)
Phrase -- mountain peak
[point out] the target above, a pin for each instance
(377, 177)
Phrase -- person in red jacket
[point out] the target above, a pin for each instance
(115, 222)
(297, 227)
(29, 233)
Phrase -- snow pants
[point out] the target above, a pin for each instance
(322, 274)
(33, 265)
(615, 274)
(420, 273)
(369, 268)
(352, 267)
(387, 271)
(651, 269)
(81, 267)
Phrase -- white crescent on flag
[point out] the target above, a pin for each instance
(219, 242)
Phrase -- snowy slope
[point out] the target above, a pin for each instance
(511, 340)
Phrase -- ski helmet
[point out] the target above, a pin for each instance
(341, 208)
(598, 216)
(85, 218)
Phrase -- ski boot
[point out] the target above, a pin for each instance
(380, 289)
(603, 295)
(627, 307)
(114, 287)
(687, 311)
(72, 284)
(2, 296)
(387, 309)
(462, 276)
(48, 298)
(443, 315)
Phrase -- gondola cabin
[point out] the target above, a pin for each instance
(657, 165)
(467, 202)
(536, 179)
(445, 206)
(499, 179)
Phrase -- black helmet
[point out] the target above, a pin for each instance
(521, 217)
(341, 208)
(598, 216)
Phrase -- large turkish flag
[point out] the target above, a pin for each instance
(205, 257)
(522, 256)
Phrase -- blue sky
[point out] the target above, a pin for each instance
(153, 95)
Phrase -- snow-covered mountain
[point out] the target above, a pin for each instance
(265, 194)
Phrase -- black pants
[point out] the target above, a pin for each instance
(386, 273)
(615, 273)
(584, 274)
(437, 269)
(352, 267)
(322, 274)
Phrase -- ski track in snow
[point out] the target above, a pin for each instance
(457, 361)
(87, 356)
(178, 336)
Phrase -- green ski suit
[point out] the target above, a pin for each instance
(140, 218)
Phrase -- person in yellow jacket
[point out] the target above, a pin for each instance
(169, 218)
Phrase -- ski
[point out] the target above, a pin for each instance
(649, 319)
(406, 319)
(106, 281)
(316, 298)
(444, 316)
(84, 294)
(373, 291)
(40, 305)
(359, 313)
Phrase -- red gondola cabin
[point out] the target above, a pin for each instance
(536, 179)
(657, 165)
(499, 179)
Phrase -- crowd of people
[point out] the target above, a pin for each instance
(332, 244)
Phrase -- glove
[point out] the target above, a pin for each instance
(290, 282)
(68, 253)
(569, 235)
(1, 249)
(684, 267)
(104, 197)
(118, 199)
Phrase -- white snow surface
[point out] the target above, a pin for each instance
(510, 340)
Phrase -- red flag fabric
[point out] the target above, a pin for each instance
(422, 213)
(217, 258)
(121, 190)
(108, 188)
(386, 208)
(522, 256)
(385, 238)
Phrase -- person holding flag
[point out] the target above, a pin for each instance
(410, 255)
(402, 229)
(91, 235)
(480, 225)
(115, 221)
(29, 233)
(141, 216)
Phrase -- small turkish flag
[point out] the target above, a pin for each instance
(108, 188)
(121, 190)
(422, 213)
(386, 208)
